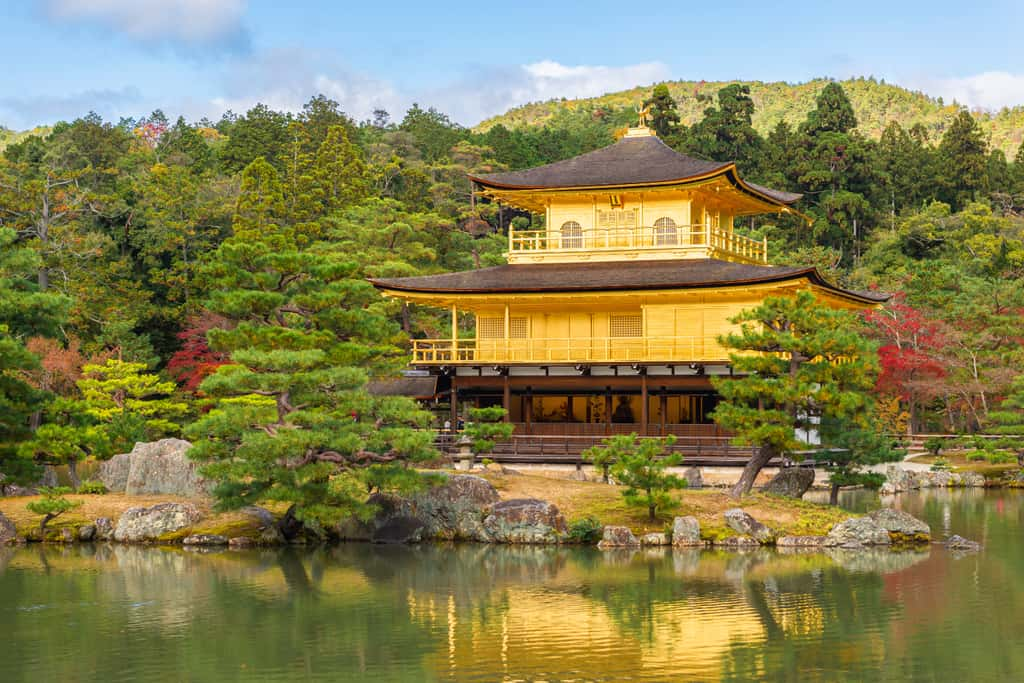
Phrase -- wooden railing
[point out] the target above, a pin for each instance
(567, 350)
(568, 449)
(697, 237)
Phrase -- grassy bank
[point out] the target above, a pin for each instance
(579, 499)
(111, 505)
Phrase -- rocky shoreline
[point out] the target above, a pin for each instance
(465, 507)
(468, 508)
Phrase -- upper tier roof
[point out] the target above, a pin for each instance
(635, 160)
(611, 276)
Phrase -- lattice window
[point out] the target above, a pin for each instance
(519, 328)
(490, 328)
(665, 232)
(616, 218)
(626, 325)
(572, 235)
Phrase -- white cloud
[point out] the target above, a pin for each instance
(286, 79)
(991, 90)
(190, 22)
(494, 90)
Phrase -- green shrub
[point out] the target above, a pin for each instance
(935, 444)
(53, 504)
(976, 456)
(586, 531)
(92, 487)
(940, 465)
(1000, 457)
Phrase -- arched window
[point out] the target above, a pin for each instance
(665, 232)
(572, 235)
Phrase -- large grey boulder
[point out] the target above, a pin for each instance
(453, 510)
(8, 533)
(902, 527)
(686, 532)
(617, 537)
(857, 531)
(791, 482)
(143, 525)
(525, 520)
(157, 467)
(742, 523)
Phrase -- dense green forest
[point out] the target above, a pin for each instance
(876, 103)
(154, 269)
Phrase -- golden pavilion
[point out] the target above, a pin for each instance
(605, 320)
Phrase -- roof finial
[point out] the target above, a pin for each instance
(642, 113)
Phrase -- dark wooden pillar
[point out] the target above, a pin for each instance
(644, 409)
(506, 398)
(455, 403)
(663, 408)
(607, 410)
(528, 410)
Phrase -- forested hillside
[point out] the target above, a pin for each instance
(157, 274)
(875, 103)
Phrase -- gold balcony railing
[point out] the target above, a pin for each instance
(702, 238)
(567, 350)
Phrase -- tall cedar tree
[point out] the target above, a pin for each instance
(24, 312)
(294, 422)
(796, 358)
(962, 152)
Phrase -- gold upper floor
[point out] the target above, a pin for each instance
(637, 225)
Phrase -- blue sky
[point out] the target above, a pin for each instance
(475, 59)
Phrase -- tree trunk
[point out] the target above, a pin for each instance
(833, 495)
(753, 467)
(73, 474)
(651, 510)
(288, 525)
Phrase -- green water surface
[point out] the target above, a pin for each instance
(486, 613)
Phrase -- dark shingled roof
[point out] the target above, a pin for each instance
(414, 387)
(609, 276)
(630, 161)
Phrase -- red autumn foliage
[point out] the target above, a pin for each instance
(59, 366)
(195, 361)
(911, 352)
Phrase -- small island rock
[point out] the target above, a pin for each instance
(686, 532)
(8, 532)
(654, 539)
(790, 482)
(902, 527)
(618, 537)
(742, 523)
(140, 525)
(858, 531)
(525, 520)
(955, 542)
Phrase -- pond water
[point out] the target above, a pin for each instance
(483, 613)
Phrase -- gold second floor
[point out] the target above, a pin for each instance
(642, 327)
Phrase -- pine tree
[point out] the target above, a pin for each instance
(1008, 418)
(294, 422)
(796, 358)
(640, 466)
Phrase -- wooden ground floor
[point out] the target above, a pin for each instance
(558, 415)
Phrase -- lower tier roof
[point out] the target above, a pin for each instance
(611, 276)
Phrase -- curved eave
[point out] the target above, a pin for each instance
(728, 170)
(810, 274)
